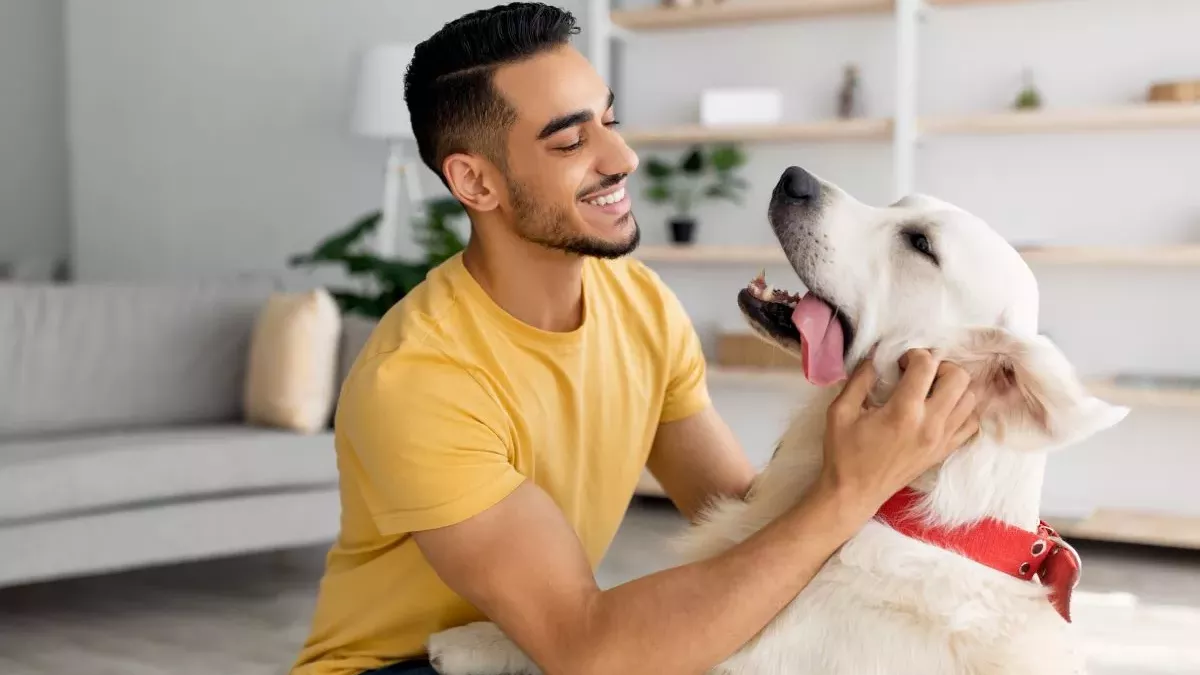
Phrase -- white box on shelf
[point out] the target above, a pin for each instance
(722, 107)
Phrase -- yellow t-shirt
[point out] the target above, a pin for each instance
(452, 404)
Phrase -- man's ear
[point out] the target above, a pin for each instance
(1029, 394)
(471, 181)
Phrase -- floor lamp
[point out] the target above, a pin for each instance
(380, 112)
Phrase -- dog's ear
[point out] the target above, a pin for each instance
(1029, 394)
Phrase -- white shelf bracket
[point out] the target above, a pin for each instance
(601, 31)
(905, 131)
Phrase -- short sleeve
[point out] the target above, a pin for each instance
(687, 383)
(431, 445)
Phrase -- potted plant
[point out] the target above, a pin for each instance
(684, 184)
(385, 281)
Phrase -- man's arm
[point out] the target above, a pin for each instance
(520, 563)
(698, 458)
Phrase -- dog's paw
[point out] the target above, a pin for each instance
(477, 649)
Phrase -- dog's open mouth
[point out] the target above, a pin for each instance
(821, 332)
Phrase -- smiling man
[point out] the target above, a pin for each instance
(492, 431)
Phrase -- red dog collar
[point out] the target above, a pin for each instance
(998, 545)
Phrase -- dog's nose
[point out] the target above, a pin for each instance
(799, 185)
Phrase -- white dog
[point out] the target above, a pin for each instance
(903, 595)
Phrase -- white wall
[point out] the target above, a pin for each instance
(1096, 188)
(34, 202)
(212, 138)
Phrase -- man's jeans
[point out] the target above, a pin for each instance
(406, 668)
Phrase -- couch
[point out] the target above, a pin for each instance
(122, 436)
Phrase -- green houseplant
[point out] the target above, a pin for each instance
(701, 173)
(385, 281)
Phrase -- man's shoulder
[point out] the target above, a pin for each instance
(423, 334)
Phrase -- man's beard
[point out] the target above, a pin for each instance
(547, 226)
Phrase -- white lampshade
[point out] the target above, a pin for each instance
(380, 110)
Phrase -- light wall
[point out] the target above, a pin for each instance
(34, 200)
(212, 138)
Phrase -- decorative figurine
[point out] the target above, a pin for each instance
(848, 98)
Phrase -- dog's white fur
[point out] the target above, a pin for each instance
(885, 603)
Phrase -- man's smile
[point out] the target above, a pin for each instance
(613, 201)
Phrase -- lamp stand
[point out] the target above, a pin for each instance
(397, 169)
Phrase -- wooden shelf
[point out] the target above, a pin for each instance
(755, 376)
(761, 11)
(1160, 256)
(734, 13)
(1145, 397)
(712, 254)
(1131, 396)
(821, 130)
(1140, 117)
(1132, 527)
(1127, 118)
(1153, 256)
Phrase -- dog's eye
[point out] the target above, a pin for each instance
(921, 244)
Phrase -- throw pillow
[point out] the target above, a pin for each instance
(292, 370)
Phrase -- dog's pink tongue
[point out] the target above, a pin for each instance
(822, 344)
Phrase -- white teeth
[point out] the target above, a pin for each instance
(759, 288)
(612, 198)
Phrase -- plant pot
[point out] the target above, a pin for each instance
(682, 230)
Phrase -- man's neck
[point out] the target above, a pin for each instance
(538, 286)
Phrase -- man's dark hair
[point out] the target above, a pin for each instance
(448, 87)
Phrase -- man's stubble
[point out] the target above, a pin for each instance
(547, 226)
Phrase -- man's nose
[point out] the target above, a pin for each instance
(618, 157)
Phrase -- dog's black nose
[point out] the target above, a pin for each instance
(798, 185)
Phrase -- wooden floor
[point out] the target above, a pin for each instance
(1139, 609)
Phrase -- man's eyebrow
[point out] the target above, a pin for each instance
(570, 119)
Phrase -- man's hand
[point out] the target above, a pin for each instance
(871, 453)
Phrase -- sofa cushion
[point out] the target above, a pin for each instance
(92, 357)
(62, 475)
(292, 367)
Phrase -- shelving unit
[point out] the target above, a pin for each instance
(1161, 256)
(903, 132)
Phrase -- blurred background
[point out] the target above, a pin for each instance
(205, 205)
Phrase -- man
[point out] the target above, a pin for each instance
(492, 431)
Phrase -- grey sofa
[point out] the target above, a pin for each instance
(121, 436)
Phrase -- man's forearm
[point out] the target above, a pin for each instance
(687, 619)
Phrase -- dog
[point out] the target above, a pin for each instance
(903, 596)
